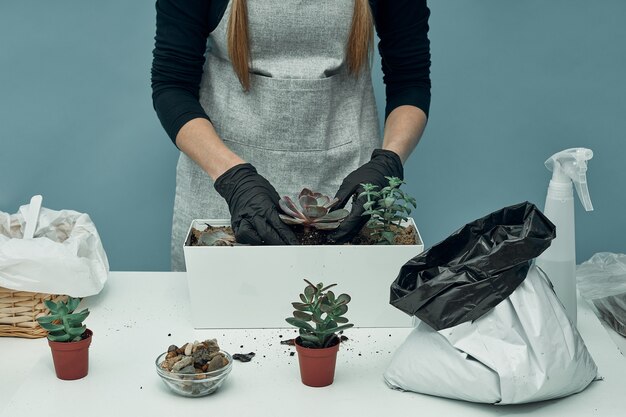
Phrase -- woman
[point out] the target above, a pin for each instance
(268, 96)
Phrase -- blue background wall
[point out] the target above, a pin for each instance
(513, 82)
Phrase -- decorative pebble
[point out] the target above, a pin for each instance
(168, 363)
(212, 345)
(188, 370)
(201, 357)
(218, 361)
(187, 360)
(188, 349)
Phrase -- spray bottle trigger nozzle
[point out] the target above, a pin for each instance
(572, 164)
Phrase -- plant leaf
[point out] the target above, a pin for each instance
(314, 212)
(309, 291)
(326, 226)
(317, 318)
(72, 303)
(389, 236)
(291, 220)
(322, 200)
(301, 306)
(307, 200)
(310, 340)
(59, 338)
(331, 203)
(78, 317)
(301, 315)
(341, 320)
(52, 327)
(368, 205)
(338, 328)
(299, 323)
(340, 311)
(305, 191)
(335, 216)
(47, 319)
(343, 299)
(52, 306)
(76, 331)
(289, 207)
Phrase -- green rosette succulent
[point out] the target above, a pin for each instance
(63, 325)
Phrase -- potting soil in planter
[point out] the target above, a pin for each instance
(224, 236)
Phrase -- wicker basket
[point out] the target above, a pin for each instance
(19, 311)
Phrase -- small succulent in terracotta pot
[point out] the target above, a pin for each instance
(319, 316)
(68, 338)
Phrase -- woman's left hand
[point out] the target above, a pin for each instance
(383, 163)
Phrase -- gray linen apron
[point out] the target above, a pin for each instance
(305, 120)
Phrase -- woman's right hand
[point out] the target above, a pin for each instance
(253, 203)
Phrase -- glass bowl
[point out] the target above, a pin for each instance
(194, 385)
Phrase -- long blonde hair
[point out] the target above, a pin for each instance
(358, 49)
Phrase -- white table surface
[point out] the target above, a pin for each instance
(134, 315)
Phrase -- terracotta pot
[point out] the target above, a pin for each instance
(71, 359)
(317, 366)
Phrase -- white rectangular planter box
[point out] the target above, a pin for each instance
(254, 286)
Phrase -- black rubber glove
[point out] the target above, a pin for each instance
(253, 203)
(383, 164)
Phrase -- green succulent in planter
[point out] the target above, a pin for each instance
(63, 325)
(312, 211)
(388, 207)
(319, 315)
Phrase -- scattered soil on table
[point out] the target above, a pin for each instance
(289, 342)
(404, 236)
(244, 357)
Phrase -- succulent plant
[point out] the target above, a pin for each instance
(319, 315)
(387, 208)
(312, 210)
(212, 236)
(63, 325)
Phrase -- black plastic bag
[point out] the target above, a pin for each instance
(478, 266)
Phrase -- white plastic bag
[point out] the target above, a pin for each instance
(524, 350)
(65, 256)
(602, 280)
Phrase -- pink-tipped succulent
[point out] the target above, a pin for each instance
(313, 210)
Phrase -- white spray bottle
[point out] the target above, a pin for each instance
(559, 260)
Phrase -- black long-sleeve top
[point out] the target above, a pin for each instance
(183, 26)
